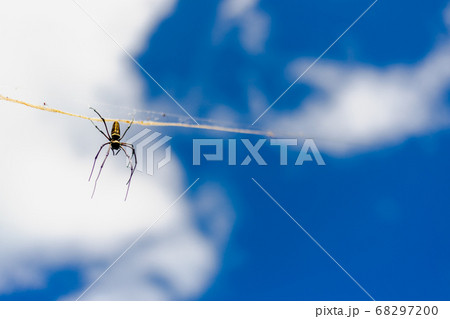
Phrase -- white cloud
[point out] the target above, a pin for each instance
(359, 107)
(447, 17)
(253, 23)
(231, 9)
(52, 52)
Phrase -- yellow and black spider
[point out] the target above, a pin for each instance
(115, 144)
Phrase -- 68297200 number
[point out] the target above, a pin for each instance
(407, 310)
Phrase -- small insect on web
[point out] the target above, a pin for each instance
(115, 145)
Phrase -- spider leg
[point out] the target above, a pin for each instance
(128, 156)
(133, 155)
(100, 171)
(103, 120)
(100, 130)
(131, 166)
(123, 135)
(133, 152)
(95, 160)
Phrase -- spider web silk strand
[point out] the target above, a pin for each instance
(144, 123)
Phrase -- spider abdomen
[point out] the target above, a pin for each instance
(115, 131)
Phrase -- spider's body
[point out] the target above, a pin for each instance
(115, 136)
(115, 144)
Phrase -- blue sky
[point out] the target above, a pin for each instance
(379, 206)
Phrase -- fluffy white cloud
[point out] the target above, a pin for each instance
(447, 16)
(360, 107)
(232, 9)
(52, 52)
(253, 23)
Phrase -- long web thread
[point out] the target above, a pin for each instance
(143, 123)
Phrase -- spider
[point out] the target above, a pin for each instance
(115, 144)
